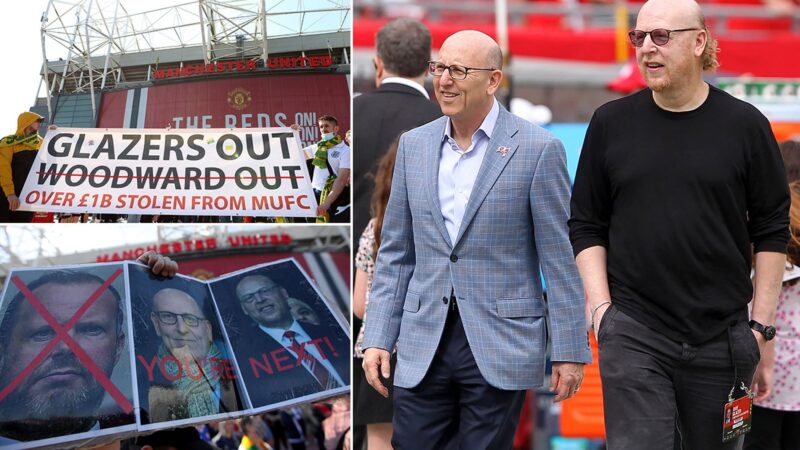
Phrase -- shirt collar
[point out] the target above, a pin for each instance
(487, 126)
(407, 82)
(277, 333)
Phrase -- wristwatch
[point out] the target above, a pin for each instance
(767, 330)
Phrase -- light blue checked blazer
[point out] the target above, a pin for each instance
(515, 221)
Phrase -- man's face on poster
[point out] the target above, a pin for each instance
(264, 301)
(302, 312)
(60, 386)
(181, 324)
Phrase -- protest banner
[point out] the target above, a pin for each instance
(97, 352)
(207, 172)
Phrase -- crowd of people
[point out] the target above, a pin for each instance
(321, 426)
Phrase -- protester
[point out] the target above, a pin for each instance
(677, 185)
(293, 423)
(186, 438)
(251, 439)
(337, 424)
(479, 202)
(17, 154)
(330, 158)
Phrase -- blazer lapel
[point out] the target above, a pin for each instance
(432, 156)
(492, 166)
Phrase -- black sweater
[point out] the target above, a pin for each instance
(677, 199)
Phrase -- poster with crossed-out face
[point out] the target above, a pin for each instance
(64, 355)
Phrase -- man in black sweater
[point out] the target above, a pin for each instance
(677, 186)
(400, 103)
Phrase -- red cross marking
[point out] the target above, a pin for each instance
(61, 335)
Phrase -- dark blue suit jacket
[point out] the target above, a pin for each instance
(271, 373)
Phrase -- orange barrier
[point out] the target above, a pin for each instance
(582, 415)
(785, 131)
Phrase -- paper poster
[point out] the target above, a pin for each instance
(93, 352)
(65, 358)
(288, 343)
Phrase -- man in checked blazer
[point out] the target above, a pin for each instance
(479, 202)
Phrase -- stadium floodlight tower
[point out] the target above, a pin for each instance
(94, 45)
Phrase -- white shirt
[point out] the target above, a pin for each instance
(407, 82)
(338, 158)
(458, 170)
(302, 337)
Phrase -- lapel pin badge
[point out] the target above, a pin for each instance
(503, 150)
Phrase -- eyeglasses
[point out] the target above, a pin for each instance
(456, 72)
(168, 318)
(263, 292)
(660, 36)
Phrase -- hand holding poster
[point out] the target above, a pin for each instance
(254, 172)
(104, 350)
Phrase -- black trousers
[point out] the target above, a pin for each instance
(454, 407)
(657, 391)
(773, 430)
(21, 163)
(8, 216)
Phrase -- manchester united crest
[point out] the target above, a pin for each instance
(239, 99)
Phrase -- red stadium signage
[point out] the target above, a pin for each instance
(198, 69)
(288, 62)
(194, 245)
(282, 62)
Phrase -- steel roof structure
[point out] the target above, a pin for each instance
(91, 45)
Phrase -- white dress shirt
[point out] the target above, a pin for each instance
(458, 170)
(302, 337)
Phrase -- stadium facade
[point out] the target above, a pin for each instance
(199, 64)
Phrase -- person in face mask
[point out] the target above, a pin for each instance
(17, 153)
(331, 162)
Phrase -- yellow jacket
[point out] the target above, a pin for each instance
(14, 143)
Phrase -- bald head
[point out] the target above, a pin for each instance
(169, 297)
(468, 96)
(471, 42)
(675, 13)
